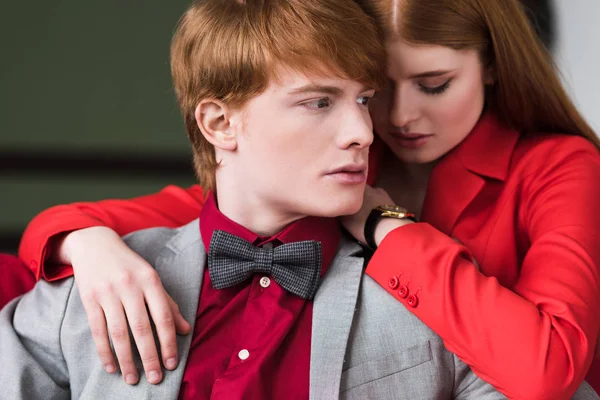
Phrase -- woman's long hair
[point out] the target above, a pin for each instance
(528, 94)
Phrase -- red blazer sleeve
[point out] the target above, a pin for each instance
(535, 340)
(16, 280)
(173, 206)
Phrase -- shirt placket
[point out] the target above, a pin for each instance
(251, 344)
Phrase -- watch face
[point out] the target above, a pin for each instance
(392, 208)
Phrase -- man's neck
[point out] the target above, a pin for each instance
(251, 213)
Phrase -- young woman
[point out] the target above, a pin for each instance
(481, 142)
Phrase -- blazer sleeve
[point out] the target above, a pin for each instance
(32, 364)
(535, 340)
(173, 206)
(16, 278)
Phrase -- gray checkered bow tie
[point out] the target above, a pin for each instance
(296, 267)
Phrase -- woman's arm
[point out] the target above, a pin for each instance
(534, 342)
(172, 206)
(115, 284)
(16, 279)
(537, 339)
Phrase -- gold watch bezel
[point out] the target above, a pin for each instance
(393, 211)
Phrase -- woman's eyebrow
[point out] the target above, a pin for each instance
(430, 74)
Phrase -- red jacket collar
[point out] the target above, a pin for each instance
(487, 150)
(460, 175)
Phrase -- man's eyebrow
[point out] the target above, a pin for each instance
(312, 88)
(332, 90)
(431, 74)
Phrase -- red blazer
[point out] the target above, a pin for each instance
(15, 278)
(527, 208)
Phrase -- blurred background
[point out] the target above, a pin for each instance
(87, 109)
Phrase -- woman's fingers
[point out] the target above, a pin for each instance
(160, 306)
(119, 334)
(116, 285)
(99, 333)
(139, 323)
(122, 308)
(182, 327)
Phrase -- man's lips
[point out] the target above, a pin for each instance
(349, 173)
(355, 167)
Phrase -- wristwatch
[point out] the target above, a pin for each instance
(384, 211)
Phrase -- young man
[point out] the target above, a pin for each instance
(274, 95)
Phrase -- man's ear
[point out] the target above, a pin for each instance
(214, 120)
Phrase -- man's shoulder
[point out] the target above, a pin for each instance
(389, 347)
(157, 242)
(380, 306)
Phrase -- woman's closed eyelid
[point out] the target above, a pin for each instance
(434, 89)
(434, 82)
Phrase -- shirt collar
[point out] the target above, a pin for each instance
(324, 230)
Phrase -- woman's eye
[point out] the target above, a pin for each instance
(433, 90)
(319, 104)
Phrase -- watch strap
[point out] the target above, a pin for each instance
(372, 221)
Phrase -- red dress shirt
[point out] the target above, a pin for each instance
(252, 340)
(526, 206)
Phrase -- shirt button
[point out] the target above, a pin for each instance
(403, 291)
(393, 282)
(265, 282)
(413, 300)
(267, 245)
(244, 354)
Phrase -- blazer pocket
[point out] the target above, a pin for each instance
(380, 368)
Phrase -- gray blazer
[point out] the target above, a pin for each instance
(365, 344)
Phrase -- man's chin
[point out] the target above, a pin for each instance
(340, 208)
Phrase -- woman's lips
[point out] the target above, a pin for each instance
(411, 140)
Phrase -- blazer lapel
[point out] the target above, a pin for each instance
(181, 272)
(459, 177)
(451, 189)
(333, 312)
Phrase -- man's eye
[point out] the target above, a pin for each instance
(364, 100)
(319, 104)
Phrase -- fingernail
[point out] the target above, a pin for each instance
(110, 368)
(153, 376)
(131, 379)
(172, 363)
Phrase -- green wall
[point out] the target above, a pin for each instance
(83, 77)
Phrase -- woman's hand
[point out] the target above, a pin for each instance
(116, 285)
(355, 224)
